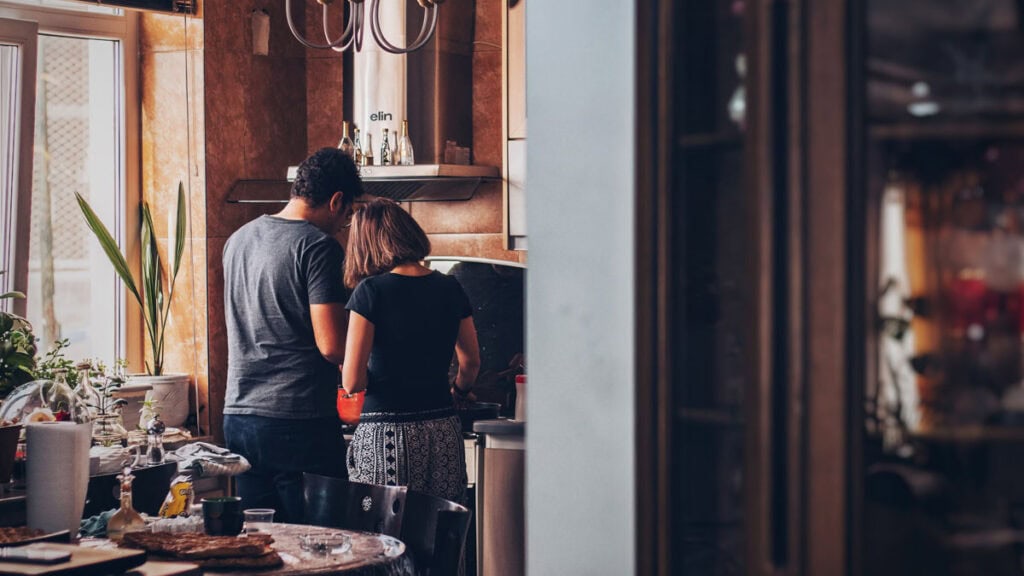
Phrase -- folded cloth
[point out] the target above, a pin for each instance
(96, 526)
(108, 459)
(204, 460)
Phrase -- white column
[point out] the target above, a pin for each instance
(580, 306)
(380, 77)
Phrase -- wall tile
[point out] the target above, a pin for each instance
(164, 127)
(481, 214)
(478, 245)
(228, 25)
(455, 21)
(324, 102)
(314, 29)
(164, 32)
(173, 150)
(276, 131)
(218, 339)
(487, 119)
(488, 25)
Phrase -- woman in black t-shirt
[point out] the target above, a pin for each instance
(405, 322)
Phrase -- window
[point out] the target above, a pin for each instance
(83, 131)
(70, 5)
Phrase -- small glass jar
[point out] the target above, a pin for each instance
(108, 430)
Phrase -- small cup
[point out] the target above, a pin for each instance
(222, 516)
(257, 519)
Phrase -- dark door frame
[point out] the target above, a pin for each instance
(798, 411)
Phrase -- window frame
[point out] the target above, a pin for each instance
(124, 29)
(24, 34)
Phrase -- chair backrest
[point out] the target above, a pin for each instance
(149, 489)
(338, 503)
(434, 531)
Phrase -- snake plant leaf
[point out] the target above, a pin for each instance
(179, 232)
(109, 247)
(151, 280)
(155, 298)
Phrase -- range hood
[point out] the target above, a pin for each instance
(432, 88)
(417, 183)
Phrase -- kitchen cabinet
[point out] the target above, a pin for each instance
(938, 436)
(742, 320)
(514, 122)
(831, 287)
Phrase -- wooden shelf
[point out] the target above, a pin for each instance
(965, 130)
(711, 140)
(970, 434)
(709, 417)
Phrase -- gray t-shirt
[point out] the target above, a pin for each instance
(273, 270)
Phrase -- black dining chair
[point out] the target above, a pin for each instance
(434, 531)
(149, 489)
(338, 503)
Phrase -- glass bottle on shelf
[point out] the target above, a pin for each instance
(357, 148)
(346, 144)
(86, 394)
(368, 151)
(385, 149)
(126, 519)
(406, 157)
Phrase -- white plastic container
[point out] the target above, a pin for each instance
(521, 398)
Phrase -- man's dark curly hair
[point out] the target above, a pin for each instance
(327, 171)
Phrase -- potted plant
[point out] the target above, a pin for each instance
(154, 294)
(17, 366)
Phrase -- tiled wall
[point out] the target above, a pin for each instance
(262, 114)
(474, 227)
(256, 111)
(172, 152)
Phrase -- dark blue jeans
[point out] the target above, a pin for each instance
(280, 450)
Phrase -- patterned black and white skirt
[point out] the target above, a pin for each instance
(421, 450)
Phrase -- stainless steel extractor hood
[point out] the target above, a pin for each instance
(418, 183)
(425, 182)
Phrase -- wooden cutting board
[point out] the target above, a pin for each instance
(166, 569)
(84, 562)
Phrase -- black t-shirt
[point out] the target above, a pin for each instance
(416, 322)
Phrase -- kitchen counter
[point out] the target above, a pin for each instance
(500, 504)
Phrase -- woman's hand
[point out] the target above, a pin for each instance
(462, 398)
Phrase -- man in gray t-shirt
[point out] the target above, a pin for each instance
(284, 308)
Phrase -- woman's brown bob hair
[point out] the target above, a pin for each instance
(382, 236)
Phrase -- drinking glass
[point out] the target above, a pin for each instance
(257, 519)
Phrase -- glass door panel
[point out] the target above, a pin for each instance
(78, 132)
(943, 432)
(707, 261)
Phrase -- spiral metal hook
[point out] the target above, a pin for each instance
(354, 27)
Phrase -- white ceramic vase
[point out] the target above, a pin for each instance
(169, 393)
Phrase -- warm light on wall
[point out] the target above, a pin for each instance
(353, 34)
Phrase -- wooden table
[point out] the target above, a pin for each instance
(371, 555)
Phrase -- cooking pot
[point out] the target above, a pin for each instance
(470, 412)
